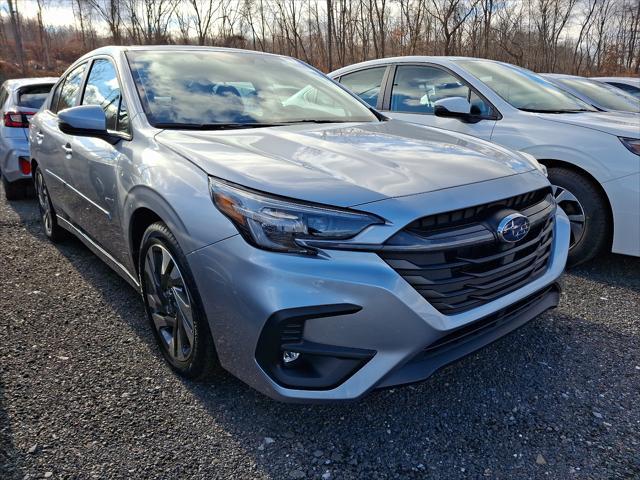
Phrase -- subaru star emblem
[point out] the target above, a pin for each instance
(513, 227)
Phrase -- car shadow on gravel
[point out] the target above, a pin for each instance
(611, 270)
(529, 392)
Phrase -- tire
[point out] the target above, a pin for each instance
(14, 190)
(52, 230)
(587, 210)
(174, 309)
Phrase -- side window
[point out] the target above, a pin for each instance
(365, 83)
(416, 89)
(70, 89)
(103, 89)
(625, 87)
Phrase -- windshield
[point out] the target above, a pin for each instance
(524, 89)
(195, 89)
(606, 96)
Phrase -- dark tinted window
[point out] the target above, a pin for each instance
(365, 83)
(33, 96)
(627, 88)
(416, 89)
(103, 89)
(70, 88)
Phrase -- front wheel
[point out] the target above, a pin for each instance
(587, 210)
(173, 305)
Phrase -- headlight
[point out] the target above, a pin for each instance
(275, 224)
(535, 163)
(632, 144)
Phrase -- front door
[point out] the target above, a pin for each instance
(93, 163)
(416, 88)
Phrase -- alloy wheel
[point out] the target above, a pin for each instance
(44, 203)
(574, 210)
(169, 302)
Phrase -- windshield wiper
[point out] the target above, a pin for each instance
(214, 126)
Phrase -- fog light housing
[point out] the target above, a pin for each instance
(294, 362)
(288, 356)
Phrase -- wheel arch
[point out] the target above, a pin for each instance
(142, 208)
(551, 163)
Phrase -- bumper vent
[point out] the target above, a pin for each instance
(457, 277)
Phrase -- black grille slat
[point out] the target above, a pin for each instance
(456, 279)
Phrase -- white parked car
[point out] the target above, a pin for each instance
(600, 95)
(628, 84)
(593, 158)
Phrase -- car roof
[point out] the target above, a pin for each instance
(437, 59)
(563, 75)
(116, 49)
(16, 83)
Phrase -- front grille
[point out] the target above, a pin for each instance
(456, 276)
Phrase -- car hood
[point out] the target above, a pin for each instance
(624, 124)
(345, 164)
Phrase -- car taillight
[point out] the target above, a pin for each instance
(17, 119)
(25, 165)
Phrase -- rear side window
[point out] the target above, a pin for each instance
(103, 89)
(33, 96)
(365, 83)
(70, 89)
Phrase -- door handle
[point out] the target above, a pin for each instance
(67, 149)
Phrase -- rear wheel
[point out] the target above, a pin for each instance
(587, 210)
(52, 230)
(173, 305)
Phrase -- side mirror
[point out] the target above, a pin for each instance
(454, 107)
(85, 121)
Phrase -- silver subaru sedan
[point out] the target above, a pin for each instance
(278, 226)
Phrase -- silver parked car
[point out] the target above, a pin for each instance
(275, 222)
(19, 99)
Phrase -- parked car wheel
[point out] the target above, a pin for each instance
(587, 211)
(14, 190)
(173, 305)
(52, 230)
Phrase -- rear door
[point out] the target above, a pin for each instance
(93, 163)
(54, 147)
(412, 91)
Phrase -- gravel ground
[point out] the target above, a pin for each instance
(84, 393)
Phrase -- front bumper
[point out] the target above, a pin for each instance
(624, 196)
(10, 153)
(242, 287)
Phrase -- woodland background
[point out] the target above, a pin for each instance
(585, 37)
